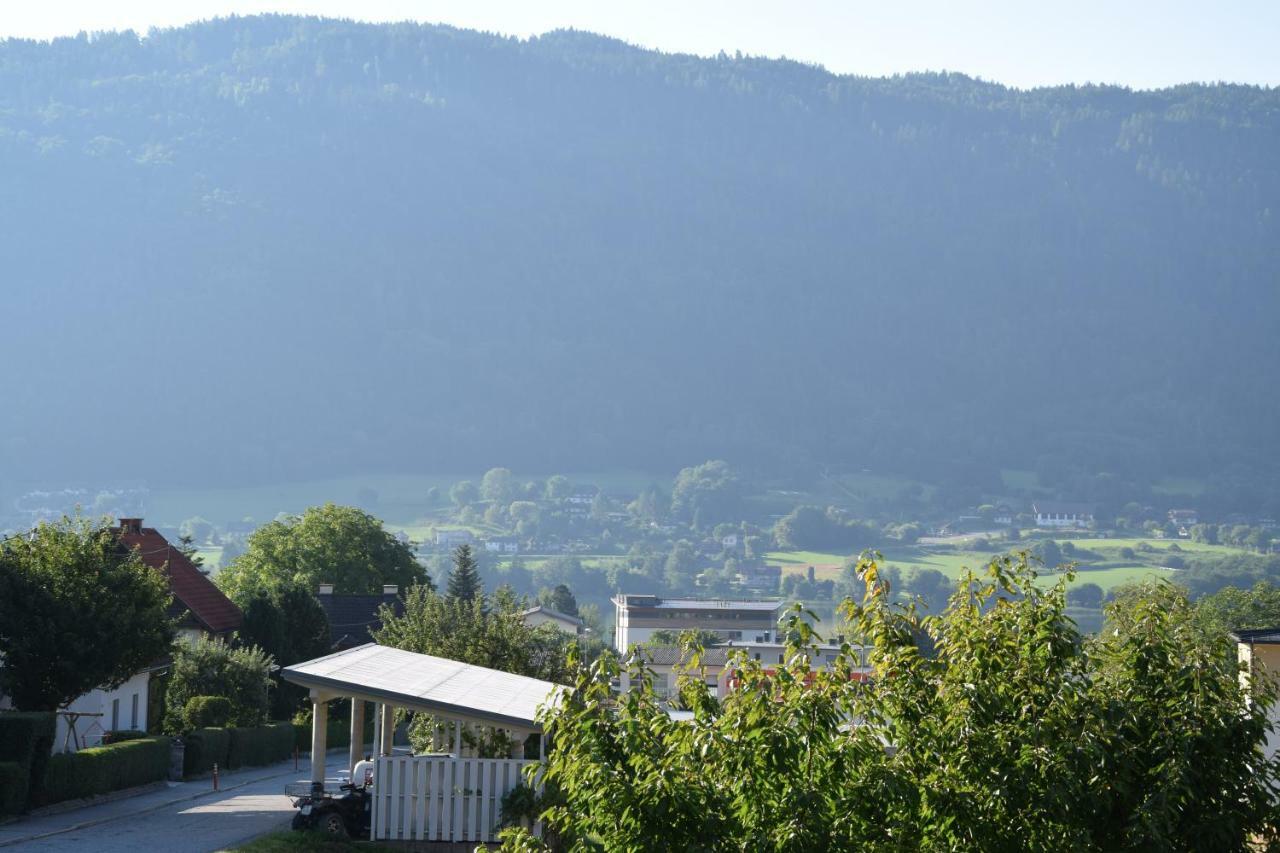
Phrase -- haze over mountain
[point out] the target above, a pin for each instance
(275, 247)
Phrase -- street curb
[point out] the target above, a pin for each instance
(156, 807)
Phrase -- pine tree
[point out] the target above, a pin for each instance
(464, 580)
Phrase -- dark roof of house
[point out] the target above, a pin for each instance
(1062, 508)
(554, 614)
(354, 618)
(192, 590)
(1263, 636)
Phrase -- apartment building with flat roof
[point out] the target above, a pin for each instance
(636, 617)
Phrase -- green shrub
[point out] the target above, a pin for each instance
(207, 712)
(252, 747)
(122, 735)
(14, 785)
(337, 733)
(26, 738)
(205, 748)
(102, 769)
(212, 668)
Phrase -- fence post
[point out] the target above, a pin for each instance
(215, 776)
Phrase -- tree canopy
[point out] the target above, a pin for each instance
(993, 725)
(341, 545)
(78, 610)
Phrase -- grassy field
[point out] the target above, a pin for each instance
(212, 555)
(953, 563)
(1178, 486)
(401, 498)
(1160, 545)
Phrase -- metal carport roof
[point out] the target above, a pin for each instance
(426, 683)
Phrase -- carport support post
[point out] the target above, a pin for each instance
(357, 735)
(388, 729)
(319, 735)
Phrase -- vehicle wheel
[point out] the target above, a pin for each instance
(332, 825)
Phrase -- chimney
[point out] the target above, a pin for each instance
(390, 589)
(326, 589)
(130, 525)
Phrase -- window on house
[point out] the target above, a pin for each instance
(133, 713)
(757, 656)
(779, 658)
(115, 714)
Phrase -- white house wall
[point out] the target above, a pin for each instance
(91, 729)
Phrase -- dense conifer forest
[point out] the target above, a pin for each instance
(276, 246)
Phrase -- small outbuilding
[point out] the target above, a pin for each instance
(439, 797)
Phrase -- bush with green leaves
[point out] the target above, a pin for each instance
(204, 712)
(26, 739)
(259, 745)
(204, 748)
(14, 783)
(103, 769)
(993, 725)
(212, 668)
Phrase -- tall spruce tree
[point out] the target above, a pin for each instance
(464, 580)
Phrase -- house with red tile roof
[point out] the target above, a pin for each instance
(201, 610)
(199, 605)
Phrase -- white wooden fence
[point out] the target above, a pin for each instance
(438, 798)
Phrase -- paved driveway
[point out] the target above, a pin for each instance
(212, 822)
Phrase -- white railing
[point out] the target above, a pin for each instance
(439, 798)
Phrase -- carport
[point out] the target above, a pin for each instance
(445, 797)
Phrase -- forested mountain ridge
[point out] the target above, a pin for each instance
(278, 246)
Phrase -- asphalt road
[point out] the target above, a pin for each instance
(211, 823)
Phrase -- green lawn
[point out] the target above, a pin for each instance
(805, 558)
(952, 564)
(212, 555)
(1178, 486)
(305, 842)
(1160, 545)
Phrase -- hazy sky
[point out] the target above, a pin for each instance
(1141, 43)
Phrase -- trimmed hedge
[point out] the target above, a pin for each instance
(236, 747)
(207, 712)
(102, 769)
(26, 738)
(252, 747)
(337, 734)
(13, 788)
(205, 748)
(122, 735)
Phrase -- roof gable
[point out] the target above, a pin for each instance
(192, 590)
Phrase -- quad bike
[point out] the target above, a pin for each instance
(344, 813)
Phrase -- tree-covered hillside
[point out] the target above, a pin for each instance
(267, 247)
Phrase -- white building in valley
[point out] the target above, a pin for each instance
(637, 617)
(1057, 514)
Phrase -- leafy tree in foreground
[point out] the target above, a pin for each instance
(993, 725)
(77, 611)
(341, 545)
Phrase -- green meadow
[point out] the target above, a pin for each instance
(953, 563)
